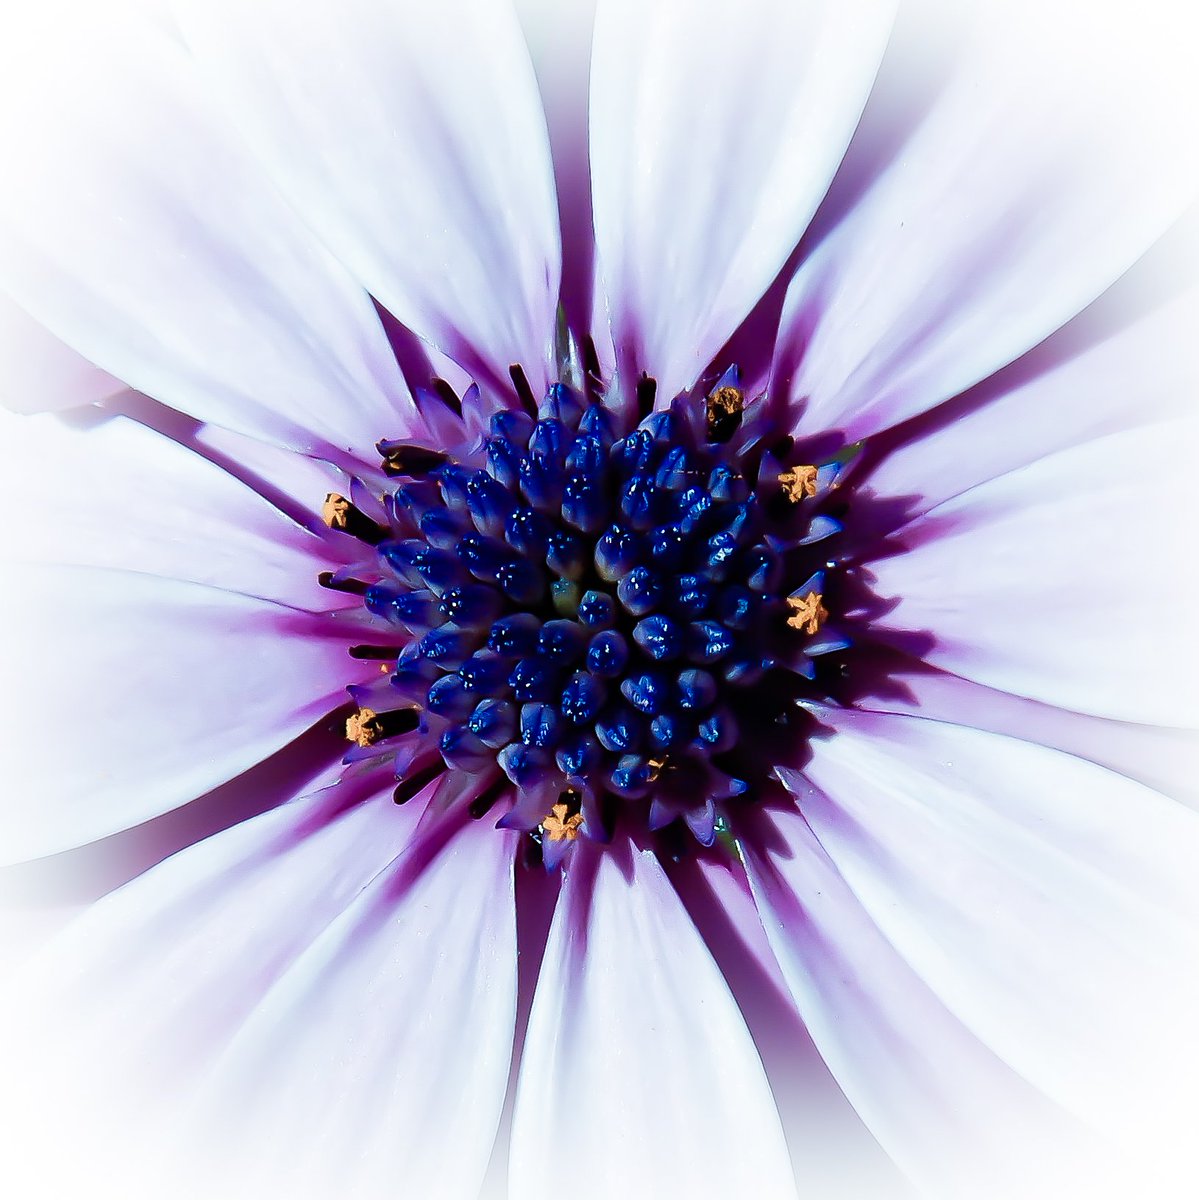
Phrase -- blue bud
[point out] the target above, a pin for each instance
(503, 460)
(513, 426)
(640, 591)
(582, 698)
(696, 690)
(693, 594)
(562, 641)
(521, 581)
(616, 553)
(489, 502)
(579, 755)
(549, 441)
(647, 693)
(449, 698)
(717, 732)
(566, 556)
(597, 422)
(494, 722)
(659, 637)
(541, 481)
(414, 610)
(666, 730)
(708, 641)
(534, 679)
(447, 646)
(619, 729)
(632, 776)
(441, 528)
(638, 502)
(676, 471)
(485, 672)
(597, 610)
(516, 635)
(608, 654)
(528, 532)
(540, 725)
(464, 751)
(526, 766)
(483, 556)
(470, 604)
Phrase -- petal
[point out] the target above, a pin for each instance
(1144, 374)
(40, 373)
(125, 1009)
(638, 1076)
(1164, 759)
(139, 231)
(150, 589)
(127, 695)
(559, 40)
(1050, 904)
(833, 1154)
(947, 1110)
(411, 139)
(383, 1053)
(1024, 581)
(118, 495)
(1054, 155)
(714, 133)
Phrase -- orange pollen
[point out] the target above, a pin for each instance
(724, 404)
(336, 511)
(809, 613)
(363, 727)
(798, 483)
(561, 825)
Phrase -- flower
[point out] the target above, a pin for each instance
(797, 636)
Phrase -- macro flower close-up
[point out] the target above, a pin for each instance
(598, 599)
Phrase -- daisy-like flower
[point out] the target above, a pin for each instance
(621, 585)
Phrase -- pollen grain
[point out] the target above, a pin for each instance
(799, 483)
(809, 613)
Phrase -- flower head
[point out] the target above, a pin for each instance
(599, 622)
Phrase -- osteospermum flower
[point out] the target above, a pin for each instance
(633, 620)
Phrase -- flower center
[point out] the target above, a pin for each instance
(585, 611)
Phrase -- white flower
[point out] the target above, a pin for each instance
(952, 940)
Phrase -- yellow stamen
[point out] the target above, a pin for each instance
(656, 766)
(798, 483)
(561, 825)
(336, 511)
(723, 410)
(364, 727)
(809, 612)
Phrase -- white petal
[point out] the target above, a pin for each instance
(411, 138)
(1048, 903)
(40, 373)
(127, 695)
(137, 228)
(940, 1103)
(1057, 151)
(559, 38)
(163, 630)
(1164, 759)
(127, 1007)
(1065, 581)
(638, 1076)
(833, 1154)
(118, 495)
(381, 1057)
(714, 133)
(1146, 373)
